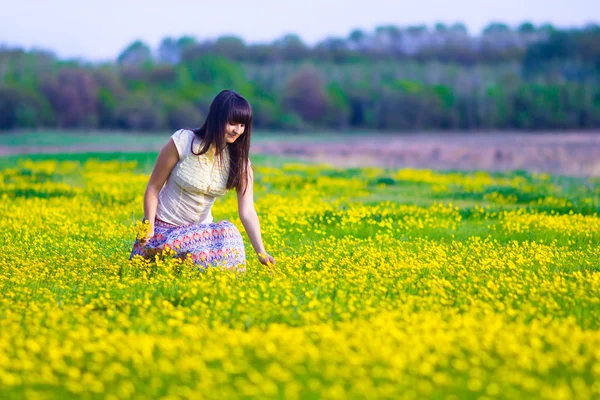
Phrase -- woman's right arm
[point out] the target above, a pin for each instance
(166, 160)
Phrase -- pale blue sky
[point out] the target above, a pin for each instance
(98, 30)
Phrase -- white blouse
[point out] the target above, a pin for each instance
(194, 183)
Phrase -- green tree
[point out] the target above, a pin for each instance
(304, 95)
(22, 108)
(136, 53)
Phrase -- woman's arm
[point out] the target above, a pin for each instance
(166, 160)
(250, 219)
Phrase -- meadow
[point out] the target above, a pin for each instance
(388, 284)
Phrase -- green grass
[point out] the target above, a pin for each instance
(66, 139)
(145, 160)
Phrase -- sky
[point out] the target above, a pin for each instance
(100, 30)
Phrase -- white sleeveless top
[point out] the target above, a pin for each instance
(194, 183)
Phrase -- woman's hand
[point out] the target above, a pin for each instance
(249, 218)
(266, 259)
(144, 240)
(166, 160)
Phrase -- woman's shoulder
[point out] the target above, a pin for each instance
(183, 140)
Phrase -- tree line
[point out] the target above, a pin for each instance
(397, 79)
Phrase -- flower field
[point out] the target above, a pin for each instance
(388, 284)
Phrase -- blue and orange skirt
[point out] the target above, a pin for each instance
(218, 244)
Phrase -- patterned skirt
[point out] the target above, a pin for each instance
(217, 244)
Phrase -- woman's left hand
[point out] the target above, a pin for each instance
(266, 259)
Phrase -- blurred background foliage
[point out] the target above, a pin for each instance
(396, 79)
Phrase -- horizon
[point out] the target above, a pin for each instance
(76, 34)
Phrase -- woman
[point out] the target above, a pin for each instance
(196, 167)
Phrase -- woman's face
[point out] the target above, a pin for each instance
(233, 130)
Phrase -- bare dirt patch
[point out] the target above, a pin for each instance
(576, 154)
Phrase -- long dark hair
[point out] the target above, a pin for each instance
(228, 106)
